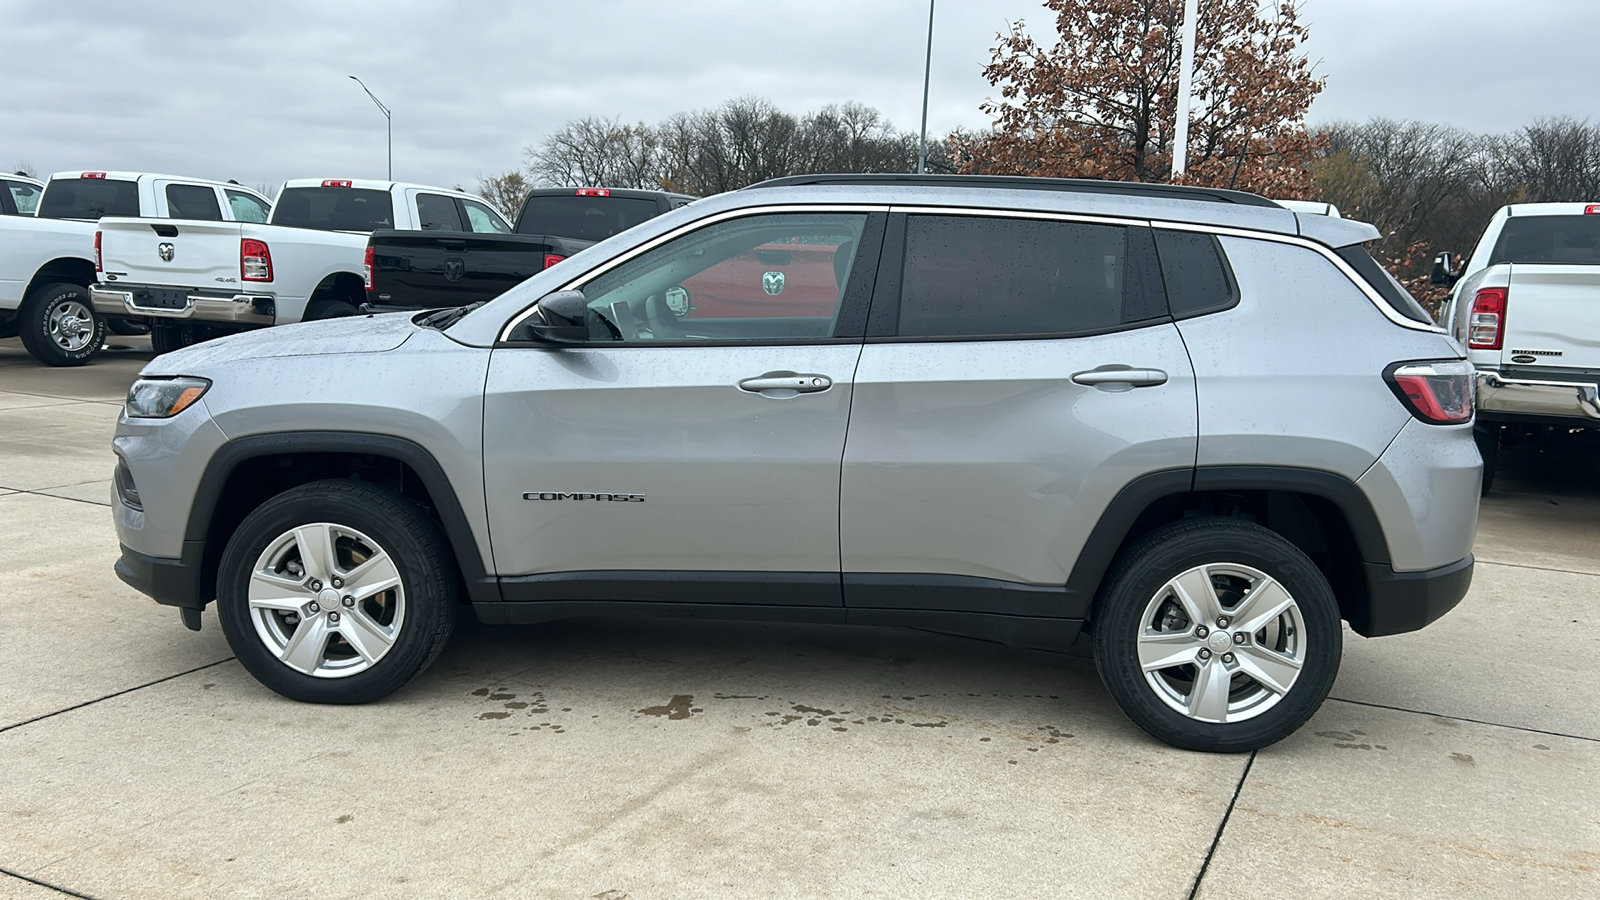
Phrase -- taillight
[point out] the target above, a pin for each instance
(551, 259)
(366, 266)
(1486, 329)
(1439, 393)
(98, 266)
(255, 260)
(336, 182)
(1591, 209)
(593, 192)
(93, 175)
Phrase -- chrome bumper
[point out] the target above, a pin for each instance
(1566, 399)
(243, 309)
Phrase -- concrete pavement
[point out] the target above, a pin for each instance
(623, 759)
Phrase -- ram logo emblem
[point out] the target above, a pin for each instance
(166, 251)
(772, 283)
(454, 268)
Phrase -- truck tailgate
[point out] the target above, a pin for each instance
(171, 252)
(1552, 317)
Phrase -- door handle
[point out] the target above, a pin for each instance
(778, 382)
(1110, 377)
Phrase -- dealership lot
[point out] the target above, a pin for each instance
(610, 758)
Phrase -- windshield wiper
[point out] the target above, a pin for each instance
(444, 318)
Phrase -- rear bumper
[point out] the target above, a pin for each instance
(170, 582)
(241, 309)
(1398, 602)
(1512, 398)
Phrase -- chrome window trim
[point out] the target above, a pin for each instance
(1087, 218)
(687, 228)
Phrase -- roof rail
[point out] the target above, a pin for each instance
(1023, 183)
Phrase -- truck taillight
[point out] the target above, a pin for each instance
(551, 259)
(1591, 209)
(255, 260)
(593, 192)
(366, 266)
(98, 265)
(1486, 329)
(336, 182)
(1439, 393)
(93, 175)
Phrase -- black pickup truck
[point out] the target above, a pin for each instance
(454, 263)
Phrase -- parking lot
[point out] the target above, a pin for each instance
(637, 759)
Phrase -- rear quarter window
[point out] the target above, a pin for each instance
(1398, 298)
(89, 198)
(1195, 272)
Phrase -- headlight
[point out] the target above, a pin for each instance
(163, 398)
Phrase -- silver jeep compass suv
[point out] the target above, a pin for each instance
(1192, 424)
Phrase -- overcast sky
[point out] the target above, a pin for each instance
(259, 91)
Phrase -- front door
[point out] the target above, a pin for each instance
(699, 433)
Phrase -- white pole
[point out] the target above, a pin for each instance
(927, 72)
(1180, 140)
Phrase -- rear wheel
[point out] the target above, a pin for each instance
(59, 327)
(337, 592)
(329, 308)
(166, 337)
(1217, 634)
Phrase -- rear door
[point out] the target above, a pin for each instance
(1018, 373)
(707, 448)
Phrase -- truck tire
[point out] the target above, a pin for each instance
(337, 592)
(1217, 634)
(59, 326)
(1488, 439)
(329, 308)
(166, 337)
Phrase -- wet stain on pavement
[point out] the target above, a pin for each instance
(679, 707)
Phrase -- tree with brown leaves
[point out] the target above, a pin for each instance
(1102, 102)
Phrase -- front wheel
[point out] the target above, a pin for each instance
(59, 326)
(1217, 634)
(337, 592)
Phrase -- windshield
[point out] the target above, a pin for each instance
(1550, 240)
(584, 218)
(88, 198)
(334, 209)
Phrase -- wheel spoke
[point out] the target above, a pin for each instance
(1270, 669)
(1208, 701)
(1266, 601)
(367, 637)
(306, 646)
(1195, 593)
(272, 591)
(316, 550)
(376, 575)
(1163, 650)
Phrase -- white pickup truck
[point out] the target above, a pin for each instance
(199, 279)
(47, 260)
(1527, 307)
(19, 195)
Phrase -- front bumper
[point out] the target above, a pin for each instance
(169, 303)
(1398, 602)
(170, 582)
(1505, 398)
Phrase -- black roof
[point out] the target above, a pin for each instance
(1018, 182)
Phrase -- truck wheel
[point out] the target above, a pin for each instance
(166, 337)
(329, 309)
(1217, 634)
(1488, 441)
(59, 326)
(337, 592)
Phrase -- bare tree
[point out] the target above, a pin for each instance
(1552, 160)
(596, 151)
(505, 192)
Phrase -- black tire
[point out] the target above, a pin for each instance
(426, 602)
(1487, 437)
(59, 326)
(329, 308)
(166, 337)
(127, 327)
(1134, 588)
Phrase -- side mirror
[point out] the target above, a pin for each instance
(1443, 270)
(562, 318)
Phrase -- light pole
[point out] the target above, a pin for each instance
(1180, 138)
(388, 119)
(927, 70)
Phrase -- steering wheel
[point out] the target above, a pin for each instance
(663, 323)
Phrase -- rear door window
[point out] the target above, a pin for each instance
(436, 212)
(334, 209)
(89, 198)
(247, 207)
(193, 201)
(25, 196)
(483, 219)
(971, 276)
